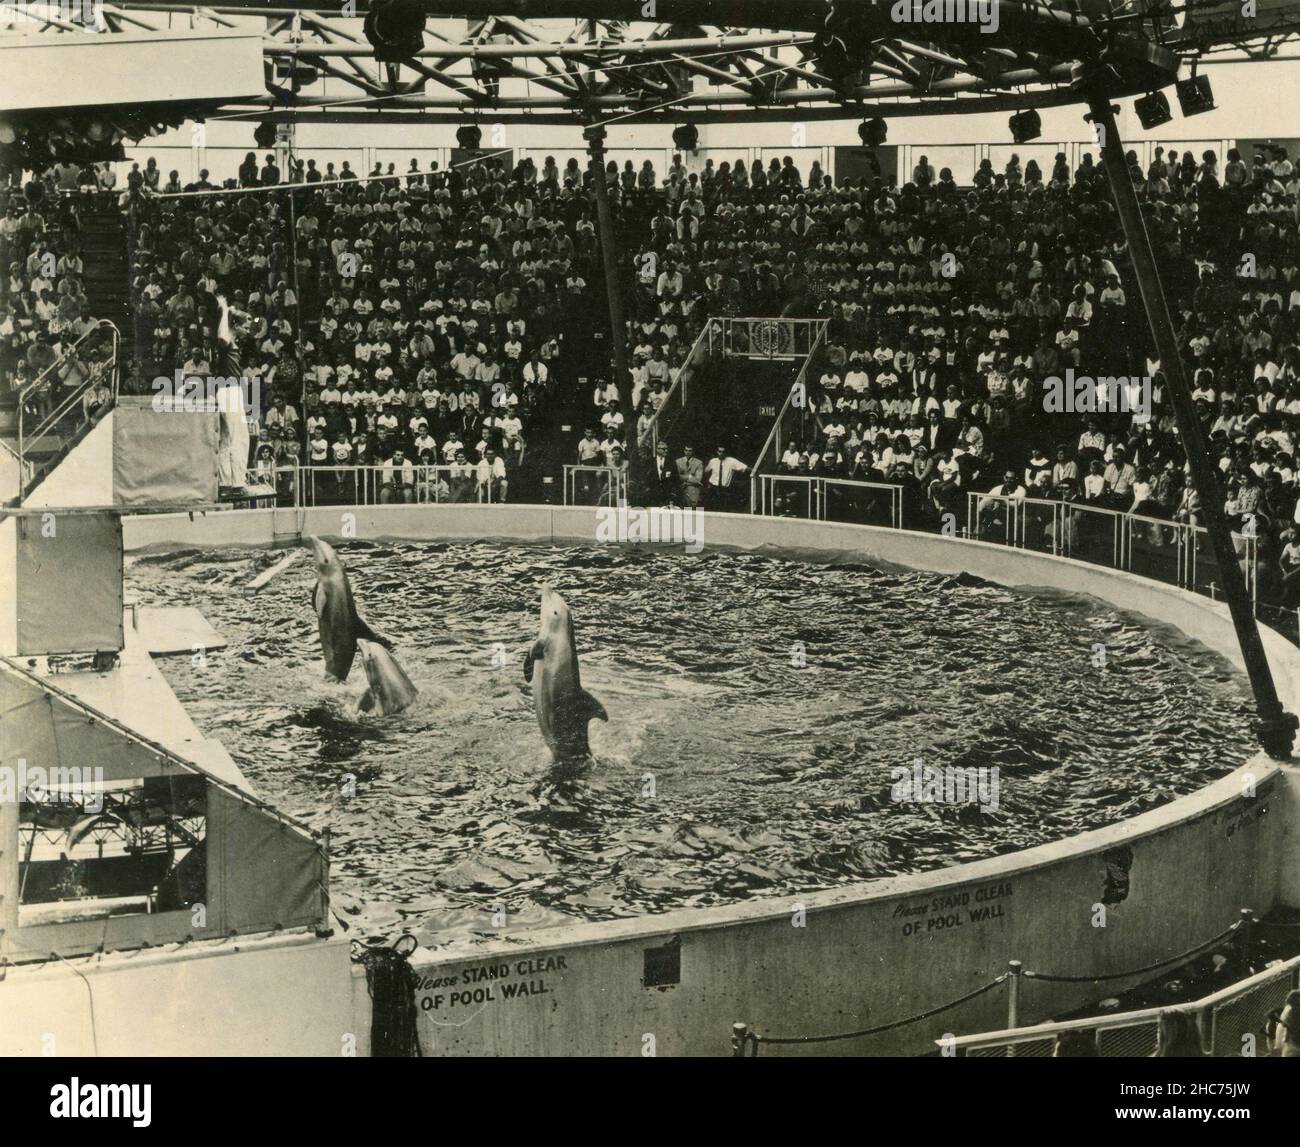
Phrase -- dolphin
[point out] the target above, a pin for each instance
(390, 688)
(340, 624)
(563, 706)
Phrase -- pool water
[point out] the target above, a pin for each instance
(760, 710)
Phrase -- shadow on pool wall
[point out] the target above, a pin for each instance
(870, 954)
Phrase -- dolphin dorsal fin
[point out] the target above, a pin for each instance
(594, 708)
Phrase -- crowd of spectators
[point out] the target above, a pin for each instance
(44, 312)
(414, 318)
(948, 308)
(403, 321)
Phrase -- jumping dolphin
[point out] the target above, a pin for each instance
(563, 706)
(340, 624)
(390, 689)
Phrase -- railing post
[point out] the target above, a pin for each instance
(1247, 918)
(739, 1037)
(1016, 969)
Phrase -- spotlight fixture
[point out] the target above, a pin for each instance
(1153, 110)
(1195, 95)
(395, 29)
(1025, 126)
(469, 137)
(686, 137)
(873, 132)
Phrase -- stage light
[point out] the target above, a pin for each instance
(1153, 110)
(264, 134)
(1025, 126)
(1195, 95)
(686, 137)
(469, 137)
(873, 132)
(395, 29)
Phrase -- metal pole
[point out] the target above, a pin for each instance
(1276, 728)
(739, 1036)
(595, 137)
(1016, 969)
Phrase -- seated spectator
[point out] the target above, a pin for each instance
(397, 479)
(493, 484)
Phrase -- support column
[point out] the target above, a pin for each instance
(1276, 726)
(9, 855)
(595, 137)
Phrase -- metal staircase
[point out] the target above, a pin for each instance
(52, 416)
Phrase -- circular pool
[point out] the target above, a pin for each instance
(768, 717)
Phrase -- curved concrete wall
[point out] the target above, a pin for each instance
(874, 953)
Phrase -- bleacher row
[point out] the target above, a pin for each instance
(449, 312)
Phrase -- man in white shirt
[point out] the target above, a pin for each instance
(536, 373)
(397, 479)
(612, 420)
(492, 481)
(719, 473)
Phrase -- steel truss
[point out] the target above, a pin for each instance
(581, 60)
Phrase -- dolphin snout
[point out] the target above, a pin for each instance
(323, 551)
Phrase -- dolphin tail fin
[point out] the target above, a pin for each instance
(364, 631)
(594, 708)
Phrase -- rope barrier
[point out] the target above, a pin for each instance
(1047, 977)
(744, 1040)
(754, 1037)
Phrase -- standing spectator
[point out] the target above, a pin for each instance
(719, 473)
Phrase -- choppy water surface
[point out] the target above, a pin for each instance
(756, 705)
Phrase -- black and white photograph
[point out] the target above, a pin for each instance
(605, 529)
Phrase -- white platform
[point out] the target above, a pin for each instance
(136, 694)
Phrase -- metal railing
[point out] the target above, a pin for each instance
(66, 412)
(830, 499)
(993, 517)
(789, 495)
(594, 486)
(862, 503)
(1228, 1022)
(797, 405)
(1173, 552)
(706, 346)
(1223, 1020)
(376, 485)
